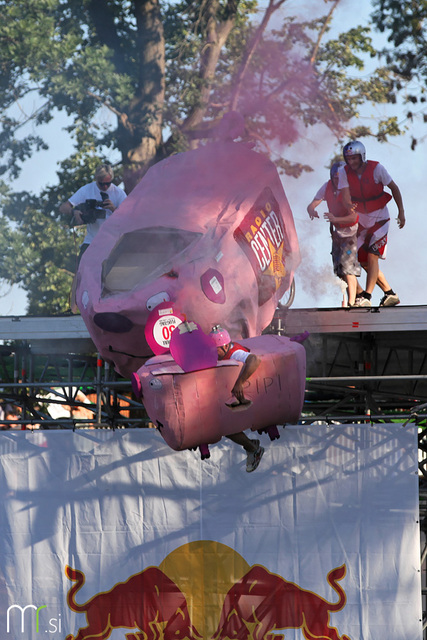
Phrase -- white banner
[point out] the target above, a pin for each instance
(114, 535)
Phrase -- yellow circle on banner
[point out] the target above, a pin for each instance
(204, 571)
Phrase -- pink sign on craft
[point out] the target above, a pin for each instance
(192, 349)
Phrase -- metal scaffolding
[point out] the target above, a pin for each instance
(362, 365)
(50, 372)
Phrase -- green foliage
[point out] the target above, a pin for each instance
(405, 23)
(164, 81)
(44, 264)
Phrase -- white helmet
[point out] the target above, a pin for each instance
(354, 148)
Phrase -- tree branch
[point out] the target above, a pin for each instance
(251, 50)
(217, 35)
(323, 31)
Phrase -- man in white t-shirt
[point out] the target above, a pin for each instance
(105, 197)
(362, 184)
(343, 230)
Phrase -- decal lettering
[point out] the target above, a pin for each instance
(262, 236)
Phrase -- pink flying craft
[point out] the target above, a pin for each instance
(208, 233)
(197, 409)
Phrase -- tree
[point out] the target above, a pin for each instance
(166, 73)
(406, 25)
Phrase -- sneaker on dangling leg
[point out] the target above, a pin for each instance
(389, 300)
(254, 457)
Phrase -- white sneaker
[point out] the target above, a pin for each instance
(362, 302)
(389, 300)
(254, 458)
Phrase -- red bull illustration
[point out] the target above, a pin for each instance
(262, 602)
(148, 601)
(206, 590)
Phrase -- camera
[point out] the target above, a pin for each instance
(92, 210)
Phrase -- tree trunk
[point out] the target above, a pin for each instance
(141, 130)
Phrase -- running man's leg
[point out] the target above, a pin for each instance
(372, 272)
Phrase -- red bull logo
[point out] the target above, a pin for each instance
(148, 601)
(205, 590)
(262, 602)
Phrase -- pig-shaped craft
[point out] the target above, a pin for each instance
(210, 231)
(196, 409)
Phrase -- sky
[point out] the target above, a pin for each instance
(316, 286)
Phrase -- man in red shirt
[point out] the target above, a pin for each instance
(362, 184)
(232, 350)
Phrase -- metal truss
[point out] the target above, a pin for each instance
(61, 391)
(368, 366)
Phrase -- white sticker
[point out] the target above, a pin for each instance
(215, 284)
(165, 312)
(163, 328)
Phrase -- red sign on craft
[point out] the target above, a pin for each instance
(262, 236)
